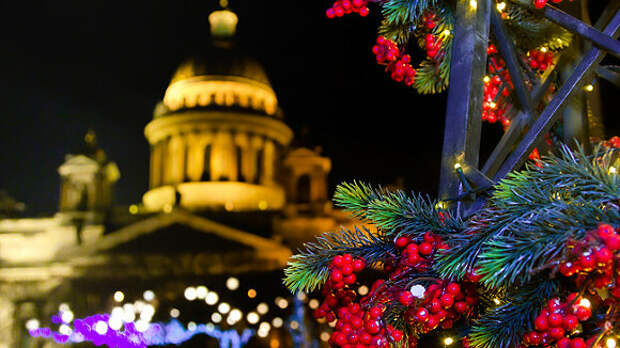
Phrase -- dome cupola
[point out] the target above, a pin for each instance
(218, 132)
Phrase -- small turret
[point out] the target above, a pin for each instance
(87, 180)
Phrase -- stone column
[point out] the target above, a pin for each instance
(8, 323)
(242, 141)
(268, 163)
(256, 143)
(196, 143)
(155, 165)
(176, 157)
(223, 157)
(163, 163)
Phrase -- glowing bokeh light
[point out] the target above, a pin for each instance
(262, 308)
(277, 322)
(212, 298)
(101, 327)
(190, 293)
(201, 292)
(119, 296)
(148, 295)
(232, 283)
(175, 313)
(253, 318)
(223, 308)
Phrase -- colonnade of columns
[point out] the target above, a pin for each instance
(213, 156)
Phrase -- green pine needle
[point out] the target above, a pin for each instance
(309, 269)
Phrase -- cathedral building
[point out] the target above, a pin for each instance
(228, 200)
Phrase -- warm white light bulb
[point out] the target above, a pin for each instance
(148, 295)
(212, 298)
(119, 296)
(232, 283)
(190, 293)
(253, 318)
(101, 327)
(277, 322)
(262, 308)
(448, 341)
(223, 308)
(610, 343)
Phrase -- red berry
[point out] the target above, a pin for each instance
(564, 343)
(603, 255)
(426, 249)
(577, 343)
(364, 11)
(336, 276)
(358, 265)
(397, 335)
(556, 332)
(613, 242)
(347, 269)
(587, 262)
(570, 322)
(337, 261)
(422, 315)
(540, 323)
(405, 298)
(583, 313)
(447, 301)
(347, 258)
(350, 279)
(372, 327)
(568, 269)
(432, 323)
(412, 248)
(401, 242)
(375, 312)
(330, 13)
(534, 338)
(554, 320)
(461, 307)
(453, 288)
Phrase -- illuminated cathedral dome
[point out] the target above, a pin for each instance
(217, 135)
(221, 75)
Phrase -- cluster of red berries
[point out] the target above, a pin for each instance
(432, 45)
(413, 256)
(343, 269)
(498, 81)
(540, 59)
(342, 7)
(613, 142)
(558, 320)
(387, 53)
(442, 305)
(429, 20)
(354, 326)
(594, 256)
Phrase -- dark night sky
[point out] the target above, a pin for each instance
(71, 65)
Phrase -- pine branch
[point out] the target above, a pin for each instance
(432, 76)
(395, 213)
(505, 325)
(308, 269)
(533, 30)
(531, 216)
(405, 12)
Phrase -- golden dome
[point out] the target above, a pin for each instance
(221, 76)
